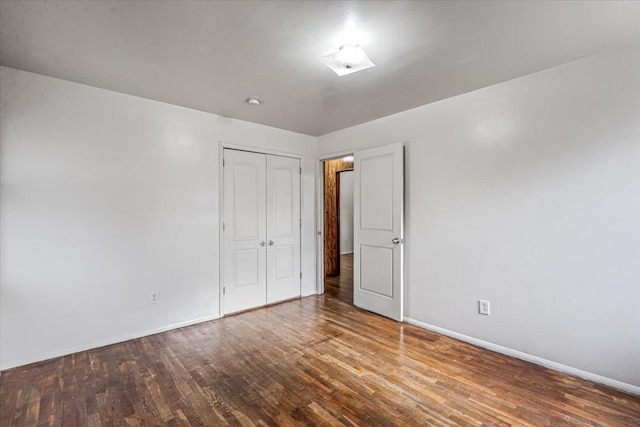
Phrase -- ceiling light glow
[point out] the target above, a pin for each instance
(348, 59)
(348, 158)
(351, 54)
(352, 34)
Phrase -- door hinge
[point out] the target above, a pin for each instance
(300, 170)
(301, 275)
(223, 163)
(224, 290)
(300, 222)
(223, 226)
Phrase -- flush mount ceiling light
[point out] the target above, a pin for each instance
(348, 158)
(348, 59)
(253, 101)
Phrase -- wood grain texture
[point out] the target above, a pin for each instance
(341, 286)
(312, 361)
(332, 168)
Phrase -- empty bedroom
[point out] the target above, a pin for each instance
(331, 213)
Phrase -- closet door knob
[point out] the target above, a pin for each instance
(262, 243)
(271, 243)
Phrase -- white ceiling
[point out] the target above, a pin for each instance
(211, 56)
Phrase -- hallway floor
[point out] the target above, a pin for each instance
(341, 286)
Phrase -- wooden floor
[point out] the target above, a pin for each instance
(341, 286)
(314, 361)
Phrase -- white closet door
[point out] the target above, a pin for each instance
(244, 234)
(378, 210)
(283, 228)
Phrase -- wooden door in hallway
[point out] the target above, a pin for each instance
(331, 201)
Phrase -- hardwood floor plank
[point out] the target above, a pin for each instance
(314, 361)
(341, 286)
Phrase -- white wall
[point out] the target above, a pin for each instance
(346, 212)
(527, 194)
(106, 198)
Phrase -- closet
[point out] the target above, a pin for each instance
(261, 229)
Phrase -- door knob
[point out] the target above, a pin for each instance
(271, 243)
(262, 243)
(395, 241)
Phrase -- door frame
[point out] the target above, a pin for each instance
(222, 145)
(320, 211)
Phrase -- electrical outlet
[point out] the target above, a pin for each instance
(155, 296)
(483, 307)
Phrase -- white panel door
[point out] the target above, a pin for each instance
(378, 233)
(283, 228)
(244, 234)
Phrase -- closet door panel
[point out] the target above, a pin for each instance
(244, 216)
(283, 228)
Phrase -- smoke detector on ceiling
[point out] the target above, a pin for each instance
(348, 59)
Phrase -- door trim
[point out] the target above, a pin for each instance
(222, 145)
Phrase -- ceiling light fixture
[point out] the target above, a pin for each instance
(348, 158)
(348, 59)
(253, 101)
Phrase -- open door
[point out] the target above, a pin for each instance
(378, 230)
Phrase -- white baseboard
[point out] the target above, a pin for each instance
(308, 294)
(629, 388)
(101, 343)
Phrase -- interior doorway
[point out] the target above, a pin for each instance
(376, 281)
(338, 193)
